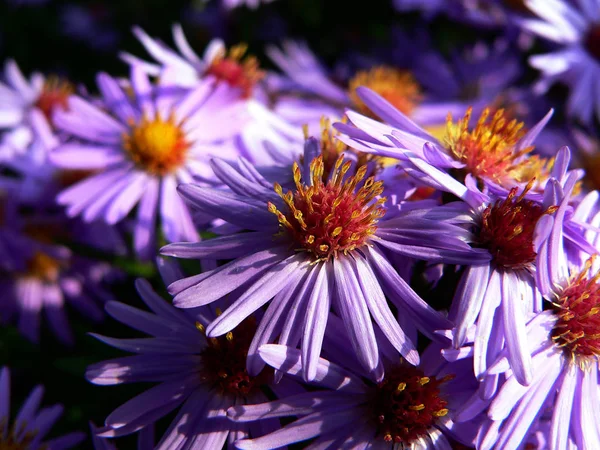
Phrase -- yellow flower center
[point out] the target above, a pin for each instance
(332, 148)
(157, 145)
(396, 86)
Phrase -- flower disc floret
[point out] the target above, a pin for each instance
(407, 404)
(55, 94)
(592, 42)
(507, 229)
(336, 216)
(157, 145)
(490, 149)
(577, 329)
(398, 87)
(235, 70)
(224, 361)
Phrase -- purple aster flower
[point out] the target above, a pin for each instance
(139, 148)
(199, 375)
(185, 68)
(26, 112)
(306, 77)
(46, 276)
(322, 245)
(31, 424)
(411, 407)
(564, 344)
(497, 149)
(575, 28)
(508, 225)
(565, 348)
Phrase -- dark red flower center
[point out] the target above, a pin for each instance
(592, 42)
(577, 330)
(507, 229)
(237, 71)
(336, 216)
(55, 94)
(407, 404)
(517, 5)
(224, 361)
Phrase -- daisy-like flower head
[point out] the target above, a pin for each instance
(202, 376)
(575, 27)
(186, 69)
(501, 294)
(47, 276)
(563, 343)
(565, 346)
(495, 150)
(32, 424)
(308, 91)
(26, 112)
(140, 147)
(320, 245)
(411, 407)
(398, 87)
(334, 217)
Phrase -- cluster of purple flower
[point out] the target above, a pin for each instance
(327, 217)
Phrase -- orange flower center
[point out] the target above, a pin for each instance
(396, 86)
(158, 146)
(407, 404)
(44, 267)
(336, 216)
(577, 330)
(237, 71)
(490, 149)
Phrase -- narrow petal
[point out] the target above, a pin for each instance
(215, 284)
(468, 300)
(258, 294)
(302, 429)
(561, 417)
(381, 313)
(514, 329)
(222, 247)
(296, 405)
(317, 310)
(329, 375)
(355, 314)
